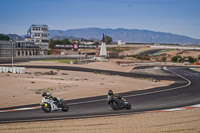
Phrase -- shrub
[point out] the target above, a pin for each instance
(142, 57)
(164, 59)
(50, 52)
(191, 59)
(176, 58)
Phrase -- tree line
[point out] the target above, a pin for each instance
(4, 37)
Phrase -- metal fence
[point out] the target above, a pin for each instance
(7, 48)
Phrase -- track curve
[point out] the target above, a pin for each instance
(184, 92)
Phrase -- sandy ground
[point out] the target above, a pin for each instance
(20, 89)
(187, 121)
(110, 65)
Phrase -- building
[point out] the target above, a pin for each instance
(39, 34)
(18, 48)
(119, 42)
(87, 42)
(26, 48)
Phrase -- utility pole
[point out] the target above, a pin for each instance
(12, 55)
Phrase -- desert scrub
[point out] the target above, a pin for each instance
(104, 73)
(118, 49)
(45, 73)
(61, 61)
(142, 57)
(65, 74)
(39, 91)
(57, 78)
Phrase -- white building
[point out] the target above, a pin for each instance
(119, 42)
(39, 34)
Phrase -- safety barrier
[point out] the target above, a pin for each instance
(153, 63)
(197, 63)
(12, 69)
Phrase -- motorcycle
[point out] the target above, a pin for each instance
(49, 105)
(117, 104)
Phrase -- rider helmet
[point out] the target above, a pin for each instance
(110, 92)
(44, 94)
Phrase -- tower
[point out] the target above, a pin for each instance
(103, 51)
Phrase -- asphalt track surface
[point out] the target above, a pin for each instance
(150, 51)
(184, 92)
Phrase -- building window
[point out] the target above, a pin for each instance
(45, 40)
(36, 28)
(45, 35)
(37, 34)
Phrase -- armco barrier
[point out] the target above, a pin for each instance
(12, 69)
(152, 63)
(197, 63)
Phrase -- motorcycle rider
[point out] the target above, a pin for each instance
(48, 95)
(112, 95)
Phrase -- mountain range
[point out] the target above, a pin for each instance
(16, 37)
(126, 35)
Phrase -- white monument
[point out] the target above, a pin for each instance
(103, 51)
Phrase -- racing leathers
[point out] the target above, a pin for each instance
(110, 97)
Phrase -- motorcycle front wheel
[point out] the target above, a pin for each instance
(46, 107)
(128, 106)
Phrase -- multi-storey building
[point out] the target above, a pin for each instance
(19, 48)
(39, 34)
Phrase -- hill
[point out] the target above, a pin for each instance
(127, 35)
(15, 37)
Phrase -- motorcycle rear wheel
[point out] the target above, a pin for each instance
(114, 105)
(65, 107)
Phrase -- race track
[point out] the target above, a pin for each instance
(184, 92)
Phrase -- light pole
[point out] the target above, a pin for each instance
(12, 55)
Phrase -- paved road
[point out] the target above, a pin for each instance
(184, 92)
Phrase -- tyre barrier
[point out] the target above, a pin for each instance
(12, 69)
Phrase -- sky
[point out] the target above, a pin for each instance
(173, 16)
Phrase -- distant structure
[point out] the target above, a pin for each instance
(18, 48)
(39, 34)
(119, 42)
(103, 51)
(26, 48)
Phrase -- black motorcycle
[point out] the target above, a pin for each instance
(117, 103)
